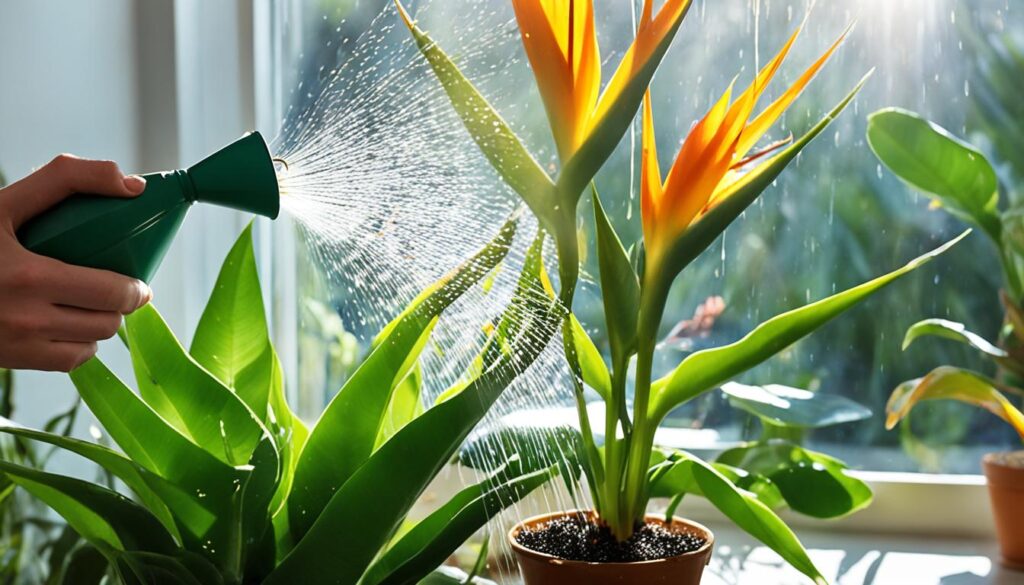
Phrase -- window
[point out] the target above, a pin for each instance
(834, 219)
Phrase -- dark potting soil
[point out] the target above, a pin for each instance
(578, 538)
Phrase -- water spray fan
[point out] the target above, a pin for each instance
(131, 236)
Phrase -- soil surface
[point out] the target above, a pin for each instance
(578, 538)
(1013, 459)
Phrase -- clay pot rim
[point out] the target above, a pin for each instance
(520, 549)
(993, 459)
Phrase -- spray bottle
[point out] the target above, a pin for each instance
(131, 236)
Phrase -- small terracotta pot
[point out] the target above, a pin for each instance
(1005, 473)
(543, 569)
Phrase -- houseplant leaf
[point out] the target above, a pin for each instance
(812, 483)
(929, 158)
(349, 427)
(592, 367)
(794, 407)
(436, 537)
(196, 403)
(103, 517)
(620, 287)
(708, 368)
(492, 135)
(949, 383)
(231, 340)
(397, 473)
(951, 330)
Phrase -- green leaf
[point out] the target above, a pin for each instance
(949, 383)
(740, 195)
(674, 477)
(709, 368)
(592, 367)
(396, 475)
(951, 330)
(536, 447)
(437, 536)
(620, 287)
(929, 158)
(231, 340)
(137, 478)
(812, 483)
(206, 485)
(491, 133)
(794, 407)
(103, 517)
(347, 431)
(405, 405)
(752, 516)
(187, 396)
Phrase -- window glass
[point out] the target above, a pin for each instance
(834, 219)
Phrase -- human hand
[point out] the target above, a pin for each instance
(52, 313)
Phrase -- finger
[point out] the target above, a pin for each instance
(50, 356)
(90, 288)
(62, 177)
(79, 325)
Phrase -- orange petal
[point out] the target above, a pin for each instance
(767, 118)
(561, 43)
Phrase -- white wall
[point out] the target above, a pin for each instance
(152, 84)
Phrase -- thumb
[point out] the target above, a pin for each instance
(62, 177)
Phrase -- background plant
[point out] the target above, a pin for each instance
(231, 487)
(960, 179)
(681, 218)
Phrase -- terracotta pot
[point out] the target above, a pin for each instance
(1005, 473)
(543, 569)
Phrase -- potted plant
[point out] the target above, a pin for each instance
(230, 487)
(960, 179)
(714, 179)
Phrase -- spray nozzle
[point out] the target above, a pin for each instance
(131, 236)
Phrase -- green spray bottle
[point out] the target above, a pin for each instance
(131, 236)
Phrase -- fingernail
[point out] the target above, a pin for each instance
(135, 184)
(146, 292)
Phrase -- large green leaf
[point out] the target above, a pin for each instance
(86, 565)
(491, 133)
(929, 158)
(137, 478)
(812, 483)
(103, 517)
(951, 330)
(672, 477)
(231, 340)
(398, 473)
(187, 396)
(347, 431)
(740, 195)
(752, 516)
(706, 369)
(145, 437)
(436, 537)
(620, 287)
(206, 486)
(794, 407)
